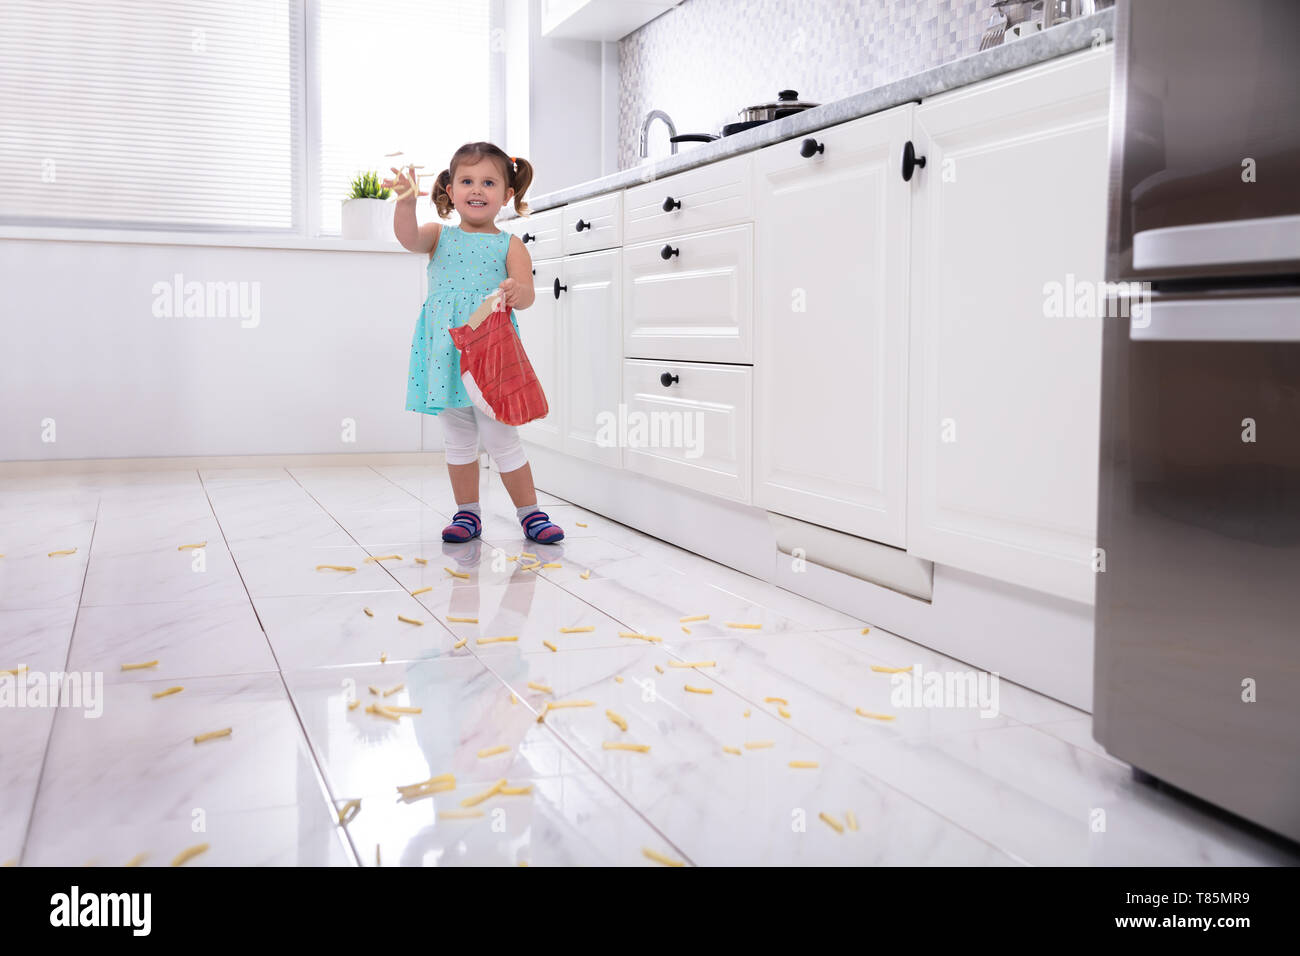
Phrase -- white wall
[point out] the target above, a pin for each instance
(83, 347)
(572, 104)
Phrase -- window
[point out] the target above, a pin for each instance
(232, 115)
(406, 75)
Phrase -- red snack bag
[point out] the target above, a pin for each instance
(495, 369)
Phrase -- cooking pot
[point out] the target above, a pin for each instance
(787, 103)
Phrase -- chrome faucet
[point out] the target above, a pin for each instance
(645, 129)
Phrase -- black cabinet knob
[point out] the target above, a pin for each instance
(667, 379)
(911, 161)
(534, 272)
(670, 204)
(810, 147)
(667, 252)
(560, 288)
(527, 237)
(583, 225)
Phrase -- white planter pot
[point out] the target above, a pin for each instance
(367, 219)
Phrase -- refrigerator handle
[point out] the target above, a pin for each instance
(1261, 319)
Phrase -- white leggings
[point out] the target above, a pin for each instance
(463, 427)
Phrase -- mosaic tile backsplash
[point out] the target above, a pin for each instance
(704, 60)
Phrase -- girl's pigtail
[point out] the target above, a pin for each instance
(522, 179)
(440, 197)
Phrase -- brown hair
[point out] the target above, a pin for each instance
(518, 175)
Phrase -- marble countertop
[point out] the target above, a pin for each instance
(1058, 41)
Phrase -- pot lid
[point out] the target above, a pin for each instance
(785, 100)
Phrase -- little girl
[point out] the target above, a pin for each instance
(468, 264)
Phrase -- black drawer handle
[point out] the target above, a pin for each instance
(583, 225)
(667, 252)
(670, 204)
(528, 238)
(911, 161)
(667, 379)
(560, 288)
(811, 147)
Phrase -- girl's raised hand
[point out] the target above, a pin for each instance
(407, 186)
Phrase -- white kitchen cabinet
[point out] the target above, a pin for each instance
(540, 233)
(541, 332)
(598, 19)
(690, 297)
(1004, 397)
(593, 224)
(709, 196)
(830, 361)
(592, 353)
(689, 423)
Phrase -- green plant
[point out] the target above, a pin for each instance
(366, 186)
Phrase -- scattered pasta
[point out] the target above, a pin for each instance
(731, 750)
(660, 858)
(637, 748)
(353, 704)
(190, 853)
(578, 630)
(580, 524)
(585, 575)
(783, 712)
(137, 859)
(139, 667)
(65, 551)
(550, 645)
(832, 822)
(457, 574)
(384, 557)
(168, 692)
(881, 669)
(404, 710)
(542, 687)
(776, 700)
(748, 627)
(421, 560)
(335, 567)
(396, 688)
(426, 588)
(187, 547)
(616, 720)
(497, 640)
(459, 644)
(699, 690)
(409, 620)
(692, 663)
(851, 820)
(462, 620)
(486, 794)
(865, 629)
(685, 629)
(492, 751)
(693, 617)
(804, 764)
(866, 713)
(369, 613)
(349, 811)
(459, 814)
(213, 735)
(640, 637)
(759, 744)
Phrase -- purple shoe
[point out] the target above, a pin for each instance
(538, 527)
(464, 526)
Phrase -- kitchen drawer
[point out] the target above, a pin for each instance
(695, 306)
(540, 233)
(718, 194)
(693, 432)
(602, 224)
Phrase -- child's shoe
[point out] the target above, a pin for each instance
(464, 526)
(538, 527)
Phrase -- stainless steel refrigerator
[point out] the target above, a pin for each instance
(1198, 606)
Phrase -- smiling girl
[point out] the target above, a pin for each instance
(468, 264)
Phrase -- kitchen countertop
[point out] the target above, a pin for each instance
(1058, 41)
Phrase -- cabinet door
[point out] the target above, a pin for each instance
(592, 329)
(695, 306)
(1010, 206)
(830, 361)
(694, 430)
(540, 233)
(539, 330)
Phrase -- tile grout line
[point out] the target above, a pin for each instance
(49, 740)
(321, 782)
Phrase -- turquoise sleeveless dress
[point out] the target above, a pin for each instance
(466, 267)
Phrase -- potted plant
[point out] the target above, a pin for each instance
(367, 213)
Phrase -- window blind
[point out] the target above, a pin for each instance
(176, 114)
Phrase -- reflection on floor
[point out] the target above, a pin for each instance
(780, 744)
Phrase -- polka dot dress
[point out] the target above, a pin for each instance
(466, 267)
